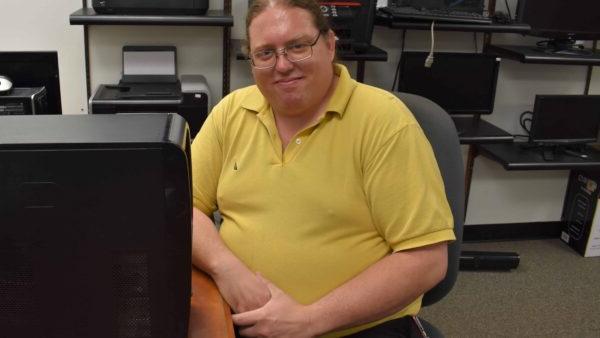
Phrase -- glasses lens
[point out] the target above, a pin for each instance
(299, 52)
(263, 58)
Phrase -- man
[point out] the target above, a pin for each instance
(334, 214)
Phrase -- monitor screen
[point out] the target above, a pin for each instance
(95, 226)
(576, 19)
(565, 119)
(460, 83)
(34, 69)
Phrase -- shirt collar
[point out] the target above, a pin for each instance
(337, 102)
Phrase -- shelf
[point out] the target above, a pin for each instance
(473, 130)
(383, 20)
(530, 54)
(372, 54)
(87, 16)
(513, 156)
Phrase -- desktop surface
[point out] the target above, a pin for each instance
(518, 156)
(474, 130)
(210, 315)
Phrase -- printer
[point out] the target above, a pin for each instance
(160, 7)
(149, 84)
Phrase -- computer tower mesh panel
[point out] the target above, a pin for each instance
(95, 237)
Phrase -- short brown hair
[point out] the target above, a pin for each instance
(258, 6)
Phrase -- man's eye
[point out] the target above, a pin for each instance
(297, 47)
(264, 54)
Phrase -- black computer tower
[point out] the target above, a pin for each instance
(24, 101)
(95, 226)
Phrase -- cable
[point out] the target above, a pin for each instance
(524, 118)
(396, 75)
(475, 41)
(508, 11)
(429, 59)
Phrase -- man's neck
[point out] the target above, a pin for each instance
(288, 125)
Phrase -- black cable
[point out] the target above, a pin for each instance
(524, 118)
(475, 41)
(397, 73)
(508, 11)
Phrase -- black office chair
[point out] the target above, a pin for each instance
(441, 133)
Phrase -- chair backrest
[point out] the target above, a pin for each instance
(441, 133)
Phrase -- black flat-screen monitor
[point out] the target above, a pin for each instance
(34, 69)
(561, 19)
(461, 83)
(95, 226)
(565, 119)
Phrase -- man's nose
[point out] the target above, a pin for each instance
(283, 64)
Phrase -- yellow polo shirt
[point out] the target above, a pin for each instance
(358, 185)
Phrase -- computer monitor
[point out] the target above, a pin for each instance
(95, 226)
(34, 69)
(562, 21)
(565, 119)
(461, 83)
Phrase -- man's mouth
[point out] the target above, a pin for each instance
(289, 80)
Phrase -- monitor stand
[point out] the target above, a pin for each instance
(563, 47)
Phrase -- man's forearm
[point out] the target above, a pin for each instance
(209, 252)
(239, 286)
(383, 289)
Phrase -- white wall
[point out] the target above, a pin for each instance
(44, 26)
(497, 196)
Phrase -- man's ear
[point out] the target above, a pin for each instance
(331, 41)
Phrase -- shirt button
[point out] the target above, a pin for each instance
(298, 141)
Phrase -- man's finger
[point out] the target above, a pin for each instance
(249, 331)
(246, 318)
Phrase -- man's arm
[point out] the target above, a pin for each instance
(381, 290)
(239, 286)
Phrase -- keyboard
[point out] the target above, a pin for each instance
(441, 15)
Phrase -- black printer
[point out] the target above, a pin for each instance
(189, 7)
(150, 85)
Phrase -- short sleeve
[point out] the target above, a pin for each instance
(406, 193)
(207, 159)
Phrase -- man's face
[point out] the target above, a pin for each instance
(292, 87)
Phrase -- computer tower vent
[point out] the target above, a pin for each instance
(133, 296)
(17, 304)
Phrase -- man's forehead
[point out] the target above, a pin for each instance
(282, 24)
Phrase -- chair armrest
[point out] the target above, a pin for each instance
(210, 315)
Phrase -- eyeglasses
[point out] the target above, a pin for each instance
(267, 58)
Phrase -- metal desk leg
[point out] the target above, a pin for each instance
(360, 71)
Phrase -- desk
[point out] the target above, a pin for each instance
(513, 156)
(210, 316)
(531, 54)
(473, 130)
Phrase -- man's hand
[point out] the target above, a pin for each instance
(280, 317)
(242, 289)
